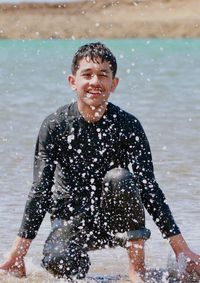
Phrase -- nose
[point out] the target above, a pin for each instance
(94, 80)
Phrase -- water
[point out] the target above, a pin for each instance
(159, 83)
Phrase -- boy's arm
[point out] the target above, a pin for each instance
(152, 196)
(39, 198)
(15, 261)
(155, 202)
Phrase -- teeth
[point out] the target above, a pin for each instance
(93, 93)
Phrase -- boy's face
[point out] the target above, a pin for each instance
(93, 82)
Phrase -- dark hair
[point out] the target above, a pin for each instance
(93, 51)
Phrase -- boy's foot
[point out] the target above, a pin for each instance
(136, 277)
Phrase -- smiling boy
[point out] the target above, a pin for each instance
(98, 158)
(93, 80)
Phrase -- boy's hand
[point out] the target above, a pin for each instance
(15, 262)
(14, 266)
(181, 249)
(192, 262)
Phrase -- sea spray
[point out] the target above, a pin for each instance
(178, 273)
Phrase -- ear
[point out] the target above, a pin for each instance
(114, 84)
(72, 82)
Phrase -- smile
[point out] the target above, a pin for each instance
(94, 93)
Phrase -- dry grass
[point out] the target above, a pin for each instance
(107, 19)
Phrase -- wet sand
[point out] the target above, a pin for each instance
(101, 19)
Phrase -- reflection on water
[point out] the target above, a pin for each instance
(158, 85)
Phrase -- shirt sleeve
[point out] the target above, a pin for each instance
(39, 196)
(152, 196)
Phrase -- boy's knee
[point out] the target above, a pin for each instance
(70, 262)
(120, 183)
(117, 175)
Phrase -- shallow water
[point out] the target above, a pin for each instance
(159, 83)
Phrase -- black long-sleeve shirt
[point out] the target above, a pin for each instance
(72, 156)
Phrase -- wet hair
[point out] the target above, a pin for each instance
(93, 51)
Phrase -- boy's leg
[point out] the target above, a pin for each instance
(136, 254)
(124, 213)
(64, 252)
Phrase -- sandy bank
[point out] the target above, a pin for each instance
(100, 18)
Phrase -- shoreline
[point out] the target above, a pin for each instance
(101, 19)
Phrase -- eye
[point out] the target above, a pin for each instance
(105, 75)
(87, 75)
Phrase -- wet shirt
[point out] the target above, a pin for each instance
(72, 157)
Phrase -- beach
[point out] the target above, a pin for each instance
(101, 19)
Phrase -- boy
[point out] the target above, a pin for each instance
(98, 159)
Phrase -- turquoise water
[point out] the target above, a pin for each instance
(159, 83)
